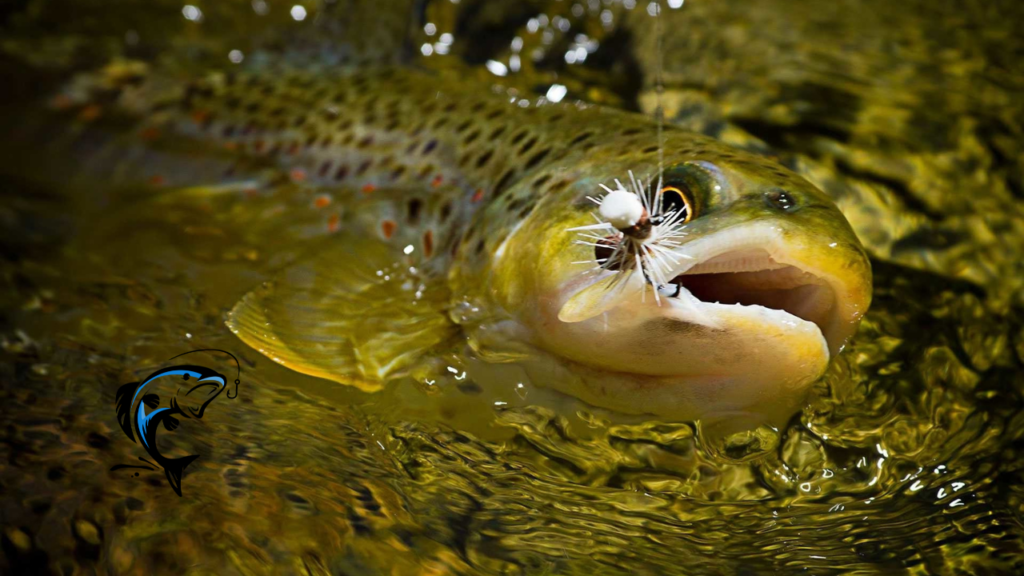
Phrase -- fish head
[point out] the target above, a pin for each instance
(762, 280)
(199, 386)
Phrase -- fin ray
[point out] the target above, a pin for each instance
(338, 315)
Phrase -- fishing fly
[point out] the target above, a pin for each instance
(638, 229)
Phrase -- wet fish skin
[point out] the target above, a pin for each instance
(504, 180)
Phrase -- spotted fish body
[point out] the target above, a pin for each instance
(489, 186)
(465, 144)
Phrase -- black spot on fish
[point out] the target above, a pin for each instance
(484, 158)
(450, 107)
(341, 172)
(559, 186)
(463, 127)
(415, 205)
(471, 137)
(537, 158)
(498, 132)
(528, 145)
(477, 106)
(398, 172)
(503, 182)
(650, 149)
(430, 147)
(440, 123)
(580, 138)
(518, 137)
(446, 211)
(495, 113)
(324, 169)
(631, 131)
(363, 167)
(366, 142)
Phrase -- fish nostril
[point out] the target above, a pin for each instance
(780, 200)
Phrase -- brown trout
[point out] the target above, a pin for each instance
(463, 212)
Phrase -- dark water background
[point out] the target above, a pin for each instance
(906, 458)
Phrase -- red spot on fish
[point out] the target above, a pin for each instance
(388, 227)
(150, 134)
(333, 223)
(257, 146)
(293, 149)
(250, 192)
(89, 113)
(368, 188)
(428, 243)
(437, 181)
(200, 117)
(322, 201)
(298, 175)
(231, 146)
(157, 180)
(478, 195)
(62, 102)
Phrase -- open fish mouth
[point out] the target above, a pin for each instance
(759, 272)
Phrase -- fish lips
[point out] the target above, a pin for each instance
(757, 293)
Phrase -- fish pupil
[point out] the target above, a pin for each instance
(674, 199)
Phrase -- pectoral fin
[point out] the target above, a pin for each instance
(151, 401)
(353, 312)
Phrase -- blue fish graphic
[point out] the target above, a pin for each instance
(199, 385)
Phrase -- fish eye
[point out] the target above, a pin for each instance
(676, 198)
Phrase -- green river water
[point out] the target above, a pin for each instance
(906, 458)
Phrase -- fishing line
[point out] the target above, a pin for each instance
(659, 87)
(238, 366)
